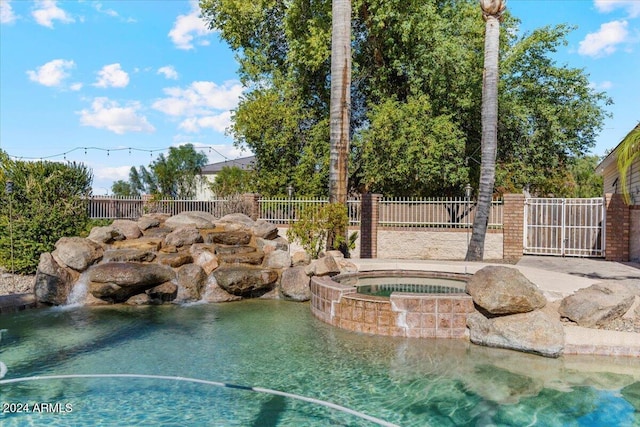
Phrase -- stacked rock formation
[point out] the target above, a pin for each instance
(192, 256)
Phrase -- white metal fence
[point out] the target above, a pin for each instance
(134, 207)
(564, 227)
(435, 213)
(285, 210)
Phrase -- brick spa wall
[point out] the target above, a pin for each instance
(401, 315)
(634, 233)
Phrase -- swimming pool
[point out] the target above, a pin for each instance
(278, 345)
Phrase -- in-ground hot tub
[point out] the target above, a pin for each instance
(420, 304)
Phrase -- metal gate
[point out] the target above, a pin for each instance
(564, 227)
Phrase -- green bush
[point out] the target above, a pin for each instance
(48, 202)
(319, 227)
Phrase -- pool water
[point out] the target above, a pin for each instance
(280, 345)
(385, 286)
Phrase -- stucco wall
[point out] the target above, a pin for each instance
(433, 245)
(398, 244)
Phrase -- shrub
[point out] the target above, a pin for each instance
(318, 225)
(48, 202)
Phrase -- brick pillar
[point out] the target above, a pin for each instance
(252, 200)
(369, 225)
(512, 226)
(617, 227)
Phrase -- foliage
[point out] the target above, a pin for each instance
(315, 225)
(232, 180)
(48, 202)
(176, 175)
(423, 57)
(628, 152)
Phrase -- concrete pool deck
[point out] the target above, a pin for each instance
(557, 278)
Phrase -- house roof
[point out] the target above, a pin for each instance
(244, 163)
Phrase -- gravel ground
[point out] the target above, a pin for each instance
(15, 283)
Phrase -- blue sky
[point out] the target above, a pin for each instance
(146, 74)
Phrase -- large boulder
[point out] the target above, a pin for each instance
(253, 258)
(504, 290)
(294, 284)
(597, 305)
(127, 227)
(265, 230)
(237, 237)
(147, 243)
(207, 260)
(77, 253)
(277, 259)
(245, 281)
(183, 236)
(105, 234)
(532, 332)
(165, 292)
(128, 255)
(53, 282)
(175, 260)
(325, 266)
(146, 222)
(214, 293)
(191, 280)
(195, 219)
(238, 218)
(118, 281)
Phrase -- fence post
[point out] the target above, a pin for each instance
(513, 226)
(253, 202)
(369, 225)
(617, 227)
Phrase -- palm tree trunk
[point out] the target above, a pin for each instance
(340, 106)
(492, 11)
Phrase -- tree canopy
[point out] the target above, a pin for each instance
(416, 97)
(176, 175)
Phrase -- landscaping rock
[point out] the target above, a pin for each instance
(208, 261)
(597, 305)
(238, 218)
(152, 244)
(300, 258)
(77, 253)
(195, 219)
(214, 293)
(294, 284)
(277, 259)
(191, 280)
(532, 332)
(265, 230)
(238, 237)
(53, 282)
(252, 258)
(146, 222)
(504, 290)
(128, 255)
(175, 260)
(229, 250)
(118, 281)
(127, 227)
(139, 299)
(279, 243)
(183, 236)
(165, 292)
(243, 281)
(325, 266)
(106, 234)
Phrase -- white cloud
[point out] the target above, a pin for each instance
(52, 73)
(189, 28)
(200, 98)
(107, 114)
(605, 40)
(47, 11)
(631, 6)
(112, 76)
(6, 12)
(76, 86)
(111, 172)
(169, 72)
(110, 12)
(218, 123)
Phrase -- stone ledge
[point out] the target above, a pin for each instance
(17, 302)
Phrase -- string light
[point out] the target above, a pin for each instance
(108, 150)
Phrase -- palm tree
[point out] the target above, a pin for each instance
(339, 114)
(492, 13)
(628, 152)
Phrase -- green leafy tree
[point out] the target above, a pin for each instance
(407, 53)
(176, 175)
(49, 201)
(232, 180)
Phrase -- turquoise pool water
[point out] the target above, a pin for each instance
(279, 345)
